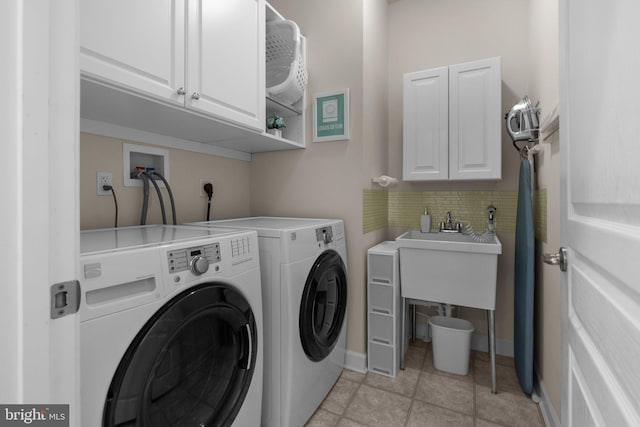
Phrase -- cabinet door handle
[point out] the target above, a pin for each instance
(379, 310)
(381, 341)
(181, 91)
(195, 95)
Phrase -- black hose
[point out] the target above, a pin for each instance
(145, 197)
(160, 199)
(115, 201)
(173, 205)
(208, 188)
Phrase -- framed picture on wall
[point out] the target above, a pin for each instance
(331, 116)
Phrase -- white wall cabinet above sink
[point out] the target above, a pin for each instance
(188, 69)
(452, 122)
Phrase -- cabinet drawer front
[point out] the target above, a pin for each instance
(381, 268)
(381, 299)
(381, 359)
(381, 329)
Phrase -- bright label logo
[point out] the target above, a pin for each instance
(36, 415)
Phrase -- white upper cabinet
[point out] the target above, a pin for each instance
(426, 125)
(452, 122)
(207, 56)
(136, 44)
(475, 120)
(226, 59)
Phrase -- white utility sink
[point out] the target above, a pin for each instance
(449, 268)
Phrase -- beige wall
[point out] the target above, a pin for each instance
(325, 179)
(433, 33)
(101, 154)
(544, 87)
(375, 100)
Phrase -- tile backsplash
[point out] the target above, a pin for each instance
(403, 209)
(375, 210)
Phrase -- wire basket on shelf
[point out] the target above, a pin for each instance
(286, 69)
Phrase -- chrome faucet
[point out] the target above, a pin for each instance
(449, 225)
(491, 212)
(449, 222)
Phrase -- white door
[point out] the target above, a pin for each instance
(601, 212)
(136, 44)
(475, 120)
(39, 219)
(425, 137)
(226, 60)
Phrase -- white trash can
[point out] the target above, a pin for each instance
(451, 344)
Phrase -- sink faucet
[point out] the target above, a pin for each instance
(450, 225)
(491, 212)
(449, 221)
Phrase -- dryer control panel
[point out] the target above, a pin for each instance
(182, 259)
(324, 234)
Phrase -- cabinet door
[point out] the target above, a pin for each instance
(226, 60)
(425, 125)
(135, 44)
(475, 149)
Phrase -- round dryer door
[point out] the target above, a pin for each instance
(190, 365)
(323, 307)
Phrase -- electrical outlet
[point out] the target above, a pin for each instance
(102, 179)
(202, 183)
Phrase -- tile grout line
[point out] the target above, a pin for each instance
(415, 389)
(422, 372)
(353, 396)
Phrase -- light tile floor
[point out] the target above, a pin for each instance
(421, 396)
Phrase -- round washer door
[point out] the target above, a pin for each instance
(190, 365)
(323, 307)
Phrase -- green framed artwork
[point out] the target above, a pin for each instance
(331, 116)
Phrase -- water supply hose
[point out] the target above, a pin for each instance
(173, 204)
(477, 236)
(145, 197)
(160, 199)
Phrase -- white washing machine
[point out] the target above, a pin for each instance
(304, 289)
(170, 327)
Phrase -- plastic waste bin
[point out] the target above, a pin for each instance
(451, 344)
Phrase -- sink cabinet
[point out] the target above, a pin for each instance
(205, 56)
(452, 122)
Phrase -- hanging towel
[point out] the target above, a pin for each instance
(524, 282)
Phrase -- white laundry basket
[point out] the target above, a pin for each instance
(451, 344)
(286, 69)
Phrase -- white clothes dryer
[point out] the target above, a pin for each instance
(170, 327)
(304, 289)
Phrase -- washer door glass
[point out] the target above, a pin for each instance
(323, 307)
(190, 365)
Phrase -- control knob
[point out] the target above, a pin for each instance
(199, 265)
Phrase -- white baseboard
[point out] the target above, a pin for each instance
(356, 361)
(481, 343)
(548, 413)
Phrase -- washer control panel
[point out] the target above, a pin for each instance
(196, 259)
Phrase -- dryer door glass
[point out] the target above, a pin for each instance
(190, 365)
(323, 307)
